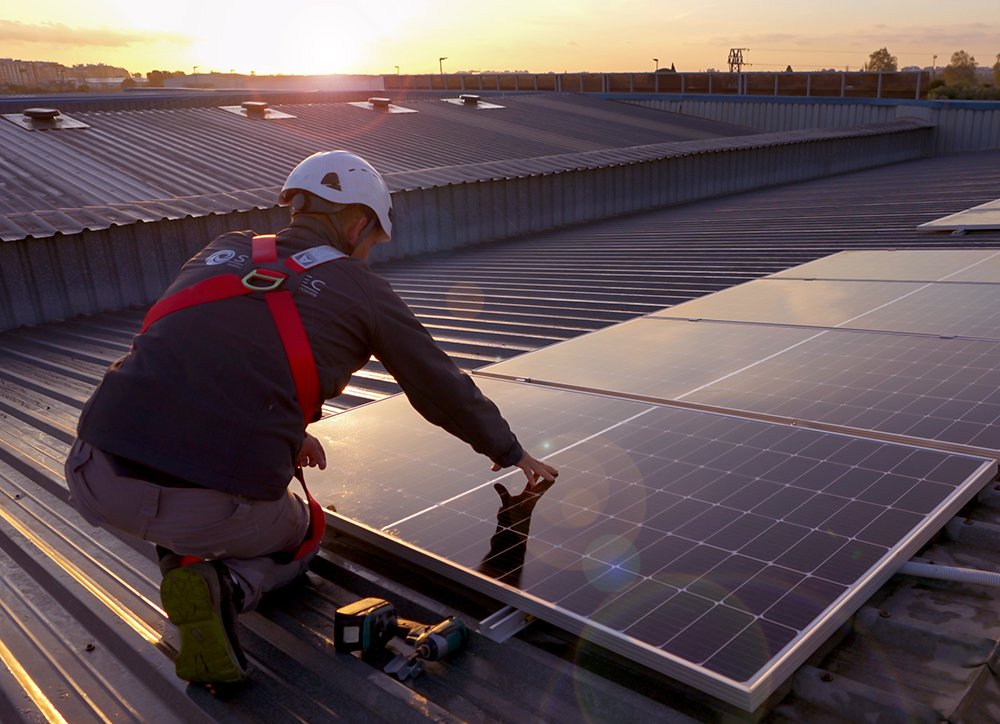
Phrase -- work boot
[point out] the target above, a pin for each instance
(199, 600)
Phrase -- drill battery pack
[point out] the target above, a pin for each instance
(364, 625)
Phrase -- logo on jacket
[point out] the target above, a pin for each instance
(220, 257)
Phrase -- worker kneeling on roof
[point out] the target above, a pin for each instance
(192, 438)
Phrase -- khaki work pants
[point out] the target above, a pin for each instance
(211, 524)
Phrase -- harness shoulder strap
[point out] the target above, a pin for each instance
(303, 366)
(294, 340)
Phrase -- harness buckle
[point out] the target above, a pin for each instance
(264, 280)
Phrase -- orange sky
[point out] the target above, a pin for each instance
(338, 36)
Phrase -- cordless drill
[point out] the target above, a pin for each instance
(441, 639)
(432, 643)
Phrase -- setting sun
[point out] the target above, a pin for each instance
(317, 37)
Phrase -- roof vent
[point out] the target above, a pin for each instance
(380, 104)
(43, 119)
(471, 100)
(41, 114)
(255, 109)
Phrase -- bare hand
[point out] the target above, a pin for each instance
(534, 470)
(312, 454)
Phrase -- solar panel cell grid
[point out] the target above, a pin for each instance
(922, 387)
(708, 545)
(714, 539)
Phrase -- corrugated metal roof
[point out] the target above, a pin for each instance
(147, 206)
(80, 612)
(154, 155)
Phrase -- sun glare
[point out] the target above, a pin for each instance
(305, 37)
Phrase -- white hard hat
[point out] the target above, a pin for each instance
(341, 177)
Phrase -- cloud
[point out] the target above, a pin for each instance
(12, 31)
(901, 39)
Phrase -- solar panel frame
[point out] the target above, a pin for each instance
(440, 520)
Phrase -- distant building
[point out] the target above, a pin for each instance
(30, 72)
(41, 73)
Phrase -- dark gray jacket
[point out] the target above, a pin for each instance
(206, 395)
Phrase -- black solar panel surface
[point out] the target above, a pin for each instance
(946, 390)
(701, 544)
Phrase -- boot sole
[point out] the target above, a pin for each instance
(206, 655)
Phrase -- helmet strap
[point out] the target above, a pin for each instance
(369, 228)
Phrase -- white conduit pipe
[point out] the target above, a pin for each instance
(951, 573)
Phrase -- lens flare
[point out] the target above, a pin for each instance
(466, 300)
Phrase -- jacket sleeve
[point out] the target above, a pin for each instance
(434, 385)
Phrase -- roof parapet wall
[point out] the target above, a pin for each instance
(962, 126)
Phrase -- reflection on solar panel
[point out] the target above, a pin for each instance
(720, 549)
(904, 265)
(660, 358)
(936, 389)
(984, 216)
(714, 549)
(950, 309)
(987, 271)
(793, 301)
(964, 310)
(388, 437)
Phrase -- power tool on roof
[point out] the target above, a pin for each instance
(430, 643)
(368, 625)
(364, 625)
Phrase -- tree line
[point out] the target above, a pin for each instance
(959, 79)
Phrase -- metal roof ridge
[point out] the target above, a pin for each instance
(100, 217)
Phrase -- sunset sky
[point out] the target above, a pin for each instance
(346, 36)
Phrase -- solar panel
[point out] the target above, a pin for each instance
(965, 310)
(391, 438)
(984, 216)
(717, 550)
(949, 309)
(915, 265)
(987, 271)
(657, 357)
(946, 390)
(793, 301)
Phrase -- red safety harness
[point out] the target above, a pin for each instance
(268, 276)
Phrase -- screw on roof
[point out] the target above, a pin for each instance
(255, 109)
(378, 102)
(469, 99)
